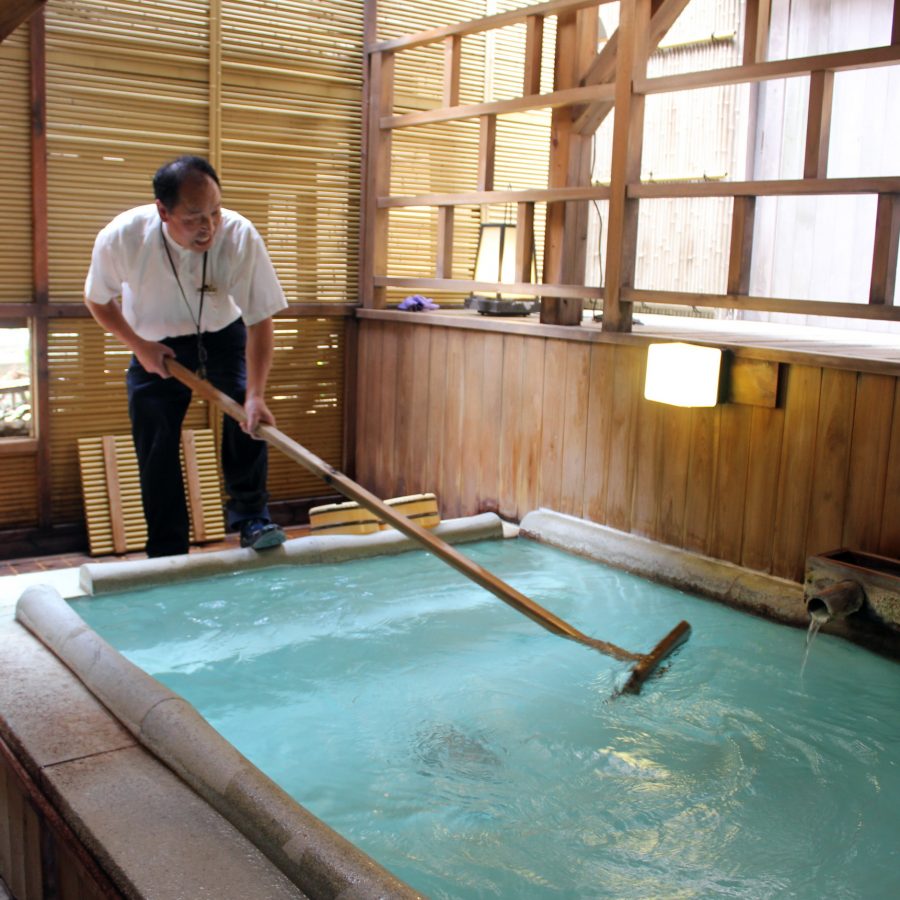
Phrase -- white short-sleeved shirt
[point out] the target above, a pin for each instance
(129, 260)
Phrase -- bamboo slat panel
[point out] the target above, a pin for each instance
(18, 491)
(306, 396)
(127, 89)
(87, 399)
(15, 186)
(291, 86)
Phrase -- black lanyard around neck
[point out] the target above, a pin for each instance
(201, 350)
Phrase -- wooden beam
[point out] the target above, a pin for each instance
(487, 23)
(628, 131)
(452, 61)
(884, 258)
(741, 249)
(485, 198)
(818, 124)
(487, 147)
(842, 61)
(501, 107)
(40, 370)
(603, 67)
(757, 16)
(467, 285)
(14, 13)
(524, 241)
(778, 188)
(561, 235)
(870, 311)
(444, 262)
(534, 42)
(215, 84)
(378, 176)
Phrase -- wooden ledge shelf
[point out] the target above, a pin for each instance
(743, 343)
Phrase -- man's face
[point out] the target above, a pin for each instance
(195, 218)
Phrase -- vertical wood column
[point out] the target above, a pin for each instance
(377, 177)
(743, 214)
(884, 258)
(569, 165)
(40, 373)
(215, 84)
(818, 124)
(621, 247)
(534, 42)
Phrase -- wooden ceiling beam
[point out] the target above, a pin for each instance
(14, 12)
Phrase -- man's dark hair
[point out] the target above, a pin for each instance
(168, 179)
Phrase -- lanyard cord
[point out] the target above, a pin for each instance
(201, 350)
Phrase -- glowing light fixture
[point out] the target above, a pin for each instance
(683, 374)
(496, 261)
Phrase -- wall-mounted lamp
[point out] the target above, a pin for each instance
(496, 261)
(683, 374)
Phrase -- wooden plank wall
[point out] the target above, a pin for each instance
(509, 423)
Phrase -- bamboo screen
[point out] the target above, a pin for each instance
(272, 94)
(443, 157)
(15, 186)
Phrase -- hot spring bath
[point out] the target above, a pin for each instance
(475, 755)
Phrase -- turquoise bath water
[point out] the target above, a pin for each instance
(477, 756)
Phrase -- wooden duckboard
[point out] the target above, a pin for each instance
(111, 489)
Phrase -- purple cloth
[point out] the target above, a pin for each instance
(417, 302)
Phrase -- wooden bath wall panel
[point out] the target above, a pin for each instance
(702, 464)
(766, 435)
(795, 476)
(890, 519)
(831, 461)
(522, 421)
(869, 455)
(112, 493)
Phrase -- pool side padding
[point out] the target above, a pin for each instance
(313, 856)
(775, 598)
(111, 577)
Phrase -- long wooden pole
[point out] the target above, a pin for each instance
(645, 663)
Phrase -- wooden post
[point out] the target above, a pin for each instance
(487, 146)
(378, 177)
(534, 40)
(215, 84)
(756, 31)
(818, 124)
(560, 241)
(524, 241)
(621, 247)
(884, 258)
(452, 60)
(40, 372)
(444, 261)
(743, 213)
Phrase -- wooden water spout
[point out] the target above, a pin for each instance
(837, 601)
(644, 663)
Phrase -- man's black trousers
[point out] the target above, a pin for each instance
(157, 407)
